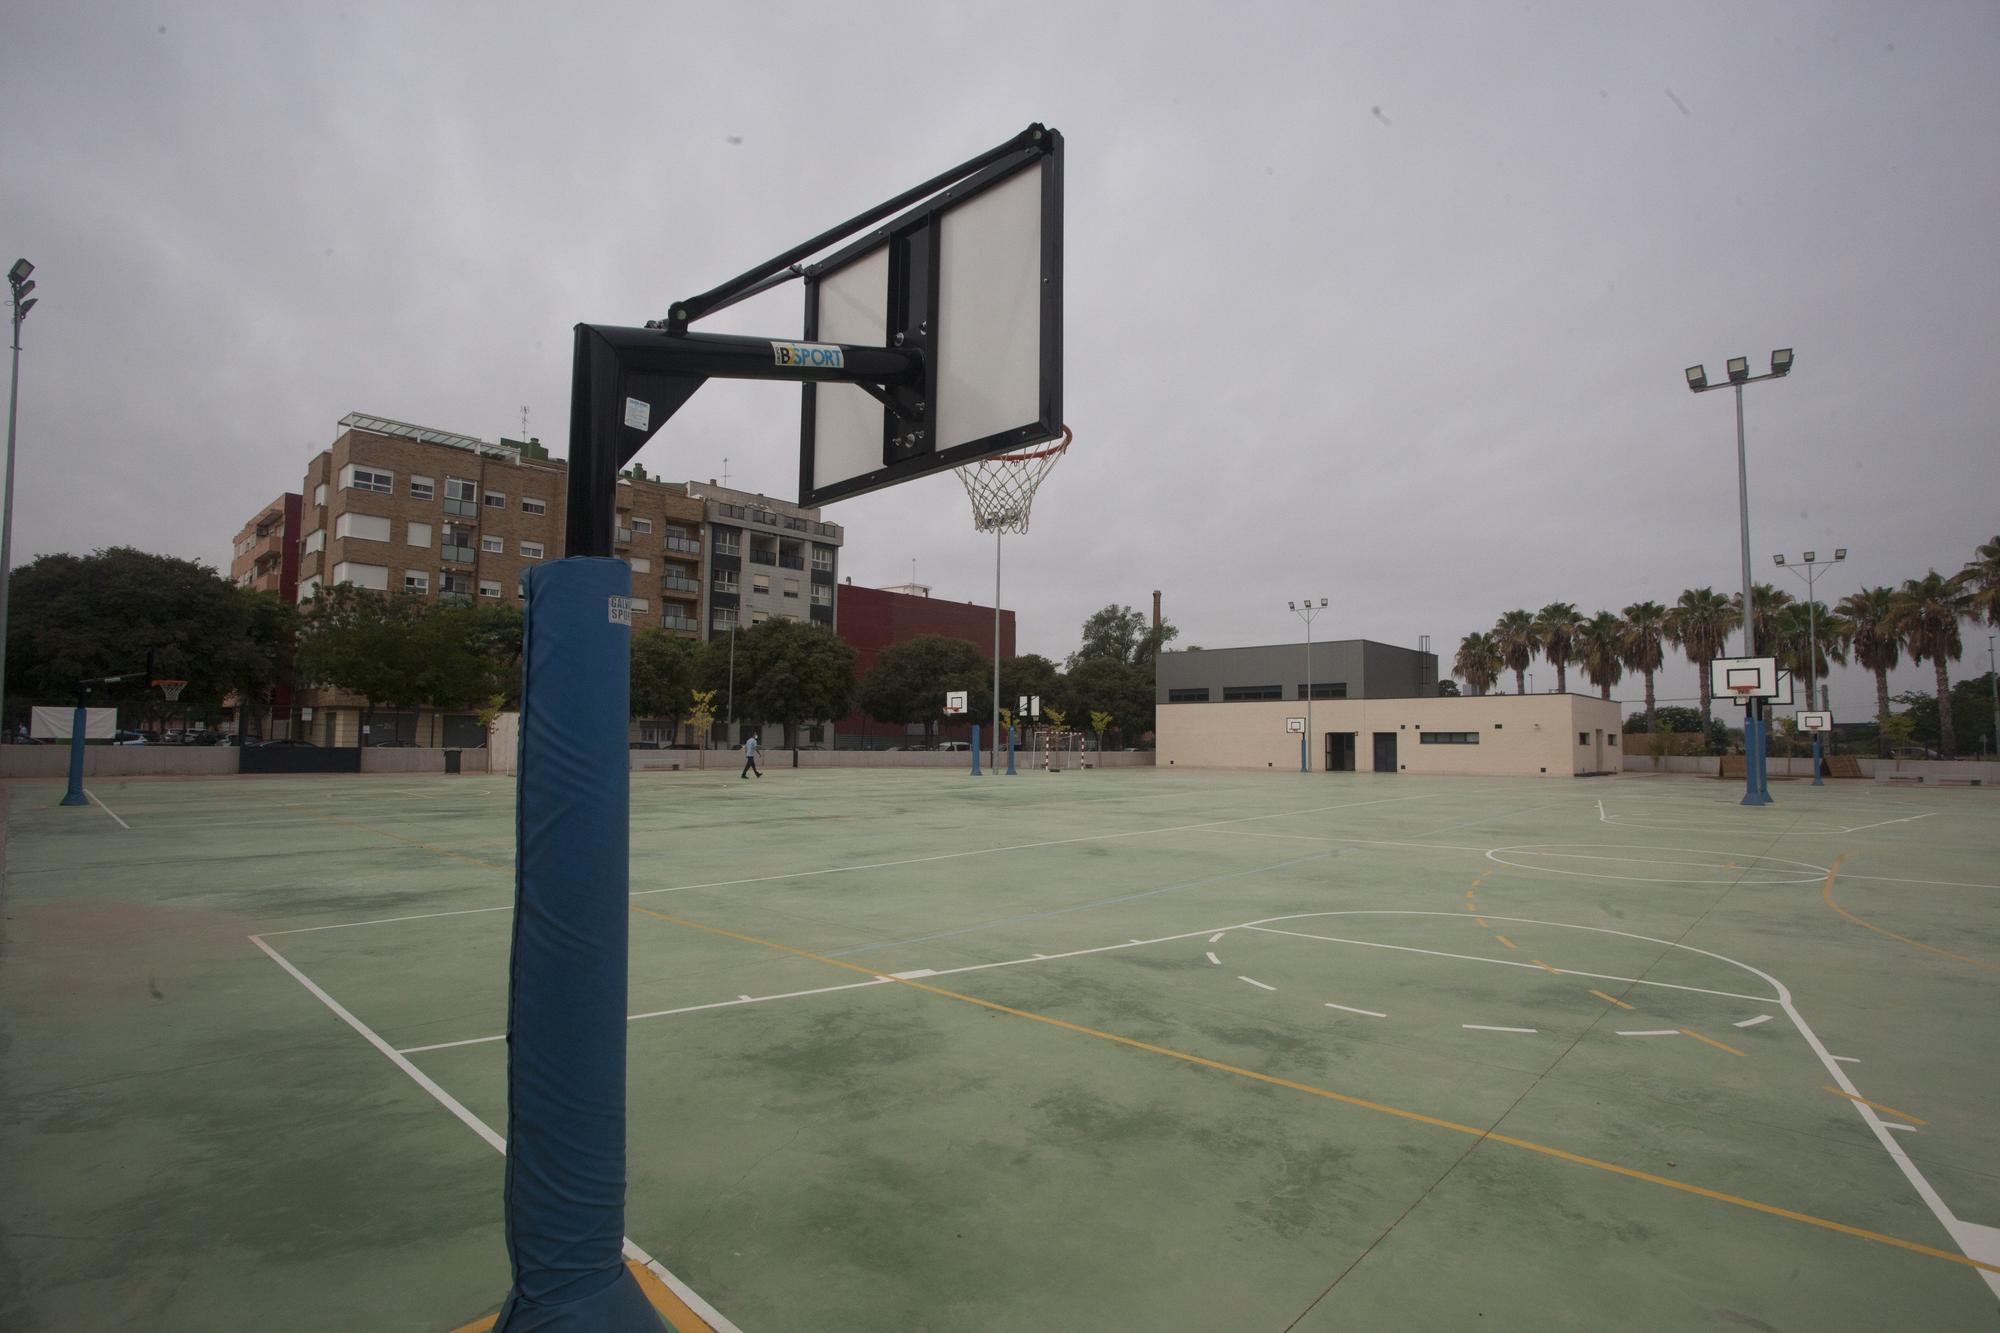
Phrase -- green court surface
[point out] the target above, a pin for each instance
(1094, 1050)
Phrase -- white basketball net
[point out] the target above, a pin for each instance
(1002, 487)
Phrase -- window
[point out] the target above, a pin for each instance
(367, 479)
(530, 505)
(724, 617)
(728, 541)
(725, 581)
(1241, 693)
(531, 550)
(792, 589)
(309, 588)
(1189, 696)
(493, 545)
(460, 497)
(640, 605)
(423, 488)
(488, 588)
(419, 535)
(362, 576)
(1325, 689)
(454, 585)
(496, 499)
(315, 541)
(366, 527)
(760, 583)
(641, 565)
(822, 559)
(319, 495)
(1448, 738)
(416, 581)
(822, 594)
(457, 542)
(642, 525)
(1583, 738)
(759, 617)
(1611, 738)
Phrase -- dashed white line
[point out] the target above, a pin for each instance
(1258, 984)
(1216, 936)
(1653, 1032)
(1848, 1059)
(1350, 1009)
(923, 972)
(1213, 959)
(1899, 1127)
(1483, 1027)
(1753, 1022)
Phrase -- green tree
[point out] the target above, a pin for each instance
(1645, 636)
(467, 654)
(1556, 628)
(1601, 651)
(367, 643)
(1122, 635)
(1871, 616)
(1478, 662)
(1981, 577)
(1699, 625)
(1770, 602)
(1029, 675)
(909, 681)
(701, 715)
(1669, 718)
(271, 627)
(666, 668)
(1447, 688)
(791, 672)
(1932, 606)
(1516, 638)
(76, 617)
(1123, 690)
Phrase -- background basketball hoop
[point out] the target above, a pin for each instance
(171, 688)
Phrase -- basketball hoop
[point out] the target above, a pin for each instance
(1002, 487)
(1745, 691)
(171, 688)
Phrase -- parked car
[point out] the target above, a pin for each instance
(128, 738)
(955, 745)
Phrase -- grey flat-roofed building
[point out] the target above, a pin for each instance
(1341, 669)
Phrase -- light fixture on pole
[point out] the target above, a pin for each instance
(1808, 569)
(1756, 790)
(17, 278)
(1305, 611)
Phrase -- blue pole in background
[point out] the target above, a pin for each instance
(75, 796)
(1010, 753)
(975, 749)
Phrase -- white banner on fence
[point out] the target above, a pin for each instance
(53, 724)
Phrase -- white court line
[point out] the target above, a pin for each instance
(1482, 1027)
(1500, 962)
(1848, 1059)
(1258, 984)
(1899, 1126)
(1907, 819)
(1653, 1032)
(1350, 1009)
(1216, 936)
(1213, 959)
(107, 809)
(482, 1129)
(1753, 1022)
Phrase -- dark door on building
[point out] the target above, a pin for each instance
(1340, 752)
(1385, 752)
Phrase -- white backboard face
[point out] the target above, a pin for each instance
(1297, 724)
(1759, 673)
(954, 703)
(972, 279)
(1815, 721)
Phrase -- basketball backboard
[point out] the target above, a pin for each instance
(1297, 724)
(954, 703)
(970, 278)
(1783, 695)
(1815, 721)
(1741, 678)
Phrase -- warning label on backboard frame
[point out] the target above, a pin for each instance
(824, 355)
(621, 611)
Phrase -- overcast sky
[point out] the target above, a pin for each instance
(1382, 303)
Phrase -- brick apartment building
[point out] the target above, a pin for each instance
(872, 619)
(265, 556)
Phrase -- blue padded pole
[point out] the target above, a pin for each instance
(566, 1006)
(975, 749)
(1010, 753)
(75, 796)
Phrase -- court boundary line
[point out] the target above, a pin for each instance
(107, 809)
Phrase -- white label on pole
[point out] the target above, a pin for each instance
(621, 611)
(821, 355)
(637, 414)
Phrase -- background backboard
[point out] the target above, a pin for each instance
(1815, 721)
(1726, 673)
(972, 278)
(1297, 724)
(954, 703)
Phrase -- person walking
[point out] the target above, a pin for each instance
(750, 748)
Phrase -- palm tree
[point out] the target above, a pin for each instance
(1478, 662)
(1514, 635)
(1983, 576)
(1645, 628)
(1770, 601)
(1600, 651)
(1804, 638)
(1699, 625)
(1556, 627)
(1932, 606)
(1870, 616)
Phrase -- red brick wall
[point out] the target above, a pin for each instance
(870, 619)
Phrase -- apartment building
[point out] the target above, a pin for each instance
(265, 554)
(766, 559)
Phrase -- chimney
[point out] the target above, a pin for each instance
(1156, 613)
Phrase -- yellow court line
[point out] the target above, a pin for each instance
(1552, 971)
(1876, 1106)
(1504, 940)
(1482, 921)
(1272, 1080)
(659, 1294)
(1826, 896)
(1718, 1045)
(1470, 908)
(1611, 999)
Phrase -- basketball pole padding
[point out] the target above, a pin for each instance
(565, 1173)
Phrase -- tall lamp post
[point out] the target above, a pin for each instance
(1756, 789)
(1808, 569)
(17, 278)
(1992, 678)
(1306, 611)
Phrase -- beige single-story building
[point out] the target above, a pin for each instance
(1510, 735)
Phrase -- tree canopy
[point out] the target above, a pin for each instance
(909, 681)
(790, 672)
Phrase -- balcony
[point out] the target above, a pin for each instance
(763, 557)
(827, 530)
(457, 554)
(673, 585)
(623, 536)
(670, 621)
(684, 546)
(792, 561)
(797, 524)
(764, 516)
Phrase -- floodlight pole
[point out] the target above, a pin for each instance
(1306, 612)
(1811, 567)
(1756, 786)
(17, 278)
